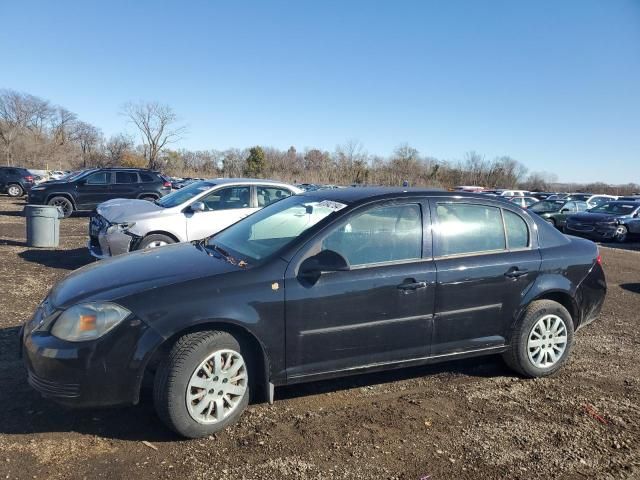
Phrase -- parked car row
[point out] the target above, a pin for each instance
(320, 284)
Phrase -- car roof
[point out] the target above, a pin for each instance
(251, 181)
(360, 194)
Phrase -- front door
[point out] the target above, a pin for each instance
(94, 189)
(486, 259)
(223, 207)
(379, 311)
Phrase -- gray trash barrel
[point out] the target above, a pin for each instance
(43, 225)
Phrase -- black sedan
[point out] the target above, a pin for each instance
(318, 285)
(610, 221)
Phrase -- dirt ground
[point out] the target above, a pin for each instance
(464, 419)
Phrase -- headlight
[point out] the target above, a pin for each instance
(37, 188)
(607, 222)
(88, 321)
(120, 227)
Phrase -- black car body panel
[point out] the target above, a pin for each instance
(395, 313)
(85, 193)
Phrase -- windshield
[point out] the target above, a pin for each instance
(75, 175)
(274, 227)
(184, 194)
(615, 208)
(546, 206)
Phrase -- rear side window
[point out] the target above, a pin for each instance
(146, 177)
(378, 235)
(267, 195)
(126, 177)
(466, 228)
(517, 230)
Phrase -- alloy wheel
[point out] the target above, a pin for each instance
(547, 341)
(216, 387)
(155, 244)
(64, 205)
(621, 233)
(14, 190)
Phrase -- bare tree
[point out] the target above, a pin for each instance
(157, 125)
(88, 138)
(116, 147)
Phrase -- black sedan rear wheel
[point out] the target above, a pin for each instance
(542, 340)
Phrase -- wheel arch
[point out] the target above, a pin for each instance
(67, 195)
(148, 194)
(244, 336)
(163, 232)
(563, 297)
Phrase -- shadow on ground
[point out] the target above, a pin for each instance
(66, 259)
(631, 287)
(24, 411)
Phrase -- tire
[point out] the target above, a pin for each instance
(181, 368)
(155, 240)
(621, 234)
(551, 221)
(64, 203)
(14, 190)
(149, 198)
(522, 354)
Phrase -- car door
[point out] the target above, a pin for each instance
(486, 258)
(93, 189)
(223, 207)
(125, 185)
(377, 312)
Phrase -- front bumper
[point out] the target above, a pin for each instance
(36, 197)
(104, 245)
(103, 372)
(592, 231)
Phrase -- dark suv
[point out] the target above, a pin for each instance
(86, 189)
(15, 181)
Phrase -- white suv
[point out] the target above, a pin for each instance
(194, 212)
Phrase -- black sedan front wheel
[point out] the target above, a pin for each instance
(621, 234)
(542, 340)
(202, 386)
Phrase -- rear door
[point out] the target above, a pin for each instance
(379, 311)
(223, 207)
(487, 258)
(125, 184)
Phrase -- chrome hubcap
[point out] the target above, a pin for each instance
(216, 387)
(547, 341)
(157, 243)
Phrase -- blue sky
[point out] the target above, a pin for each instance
(555, 85)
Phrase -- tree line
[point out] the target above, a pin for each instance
(38, 134)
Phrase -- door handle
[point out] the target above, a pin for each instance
(515, 272)
(411, 284)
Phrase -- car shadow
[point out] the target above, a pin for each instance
(66, 259)
(12, 213)
(631, 287)
(12, 243)
(25, 411)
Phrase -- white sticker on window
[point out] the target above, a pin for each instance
(330, 204)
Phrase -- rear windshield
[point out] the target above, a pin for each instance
(184, 194)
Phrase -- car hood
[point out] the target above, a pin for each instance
(587, 217)
(136, 272)
(125, 210)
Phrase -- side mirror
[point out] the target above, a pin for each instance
(565, 210)
(198, 207)
(325, 261)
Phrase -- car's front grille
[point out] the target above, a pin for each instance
(54, 389)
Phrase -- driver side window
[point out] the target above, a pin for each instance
(99, 178)
(378, 235)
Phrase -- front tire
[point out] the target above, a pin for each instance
(541, 341)
(202, 385)
(64, 203)
(155, 240)
(621, 234)
(15, 190)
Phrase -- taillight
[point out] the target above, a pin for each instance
(29, 178)
(166, 184)
(599, 259)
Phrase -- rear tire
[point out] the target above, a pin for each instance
(541, 341)
(194, 394)
(64, 203)
(15, 190)
(155, 240)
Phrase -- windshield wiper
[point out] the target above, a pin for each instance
(221, 252)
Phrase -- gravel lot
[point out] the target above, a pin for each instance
(464, 419)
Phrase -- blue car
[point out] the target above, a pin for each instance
(615, 221)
